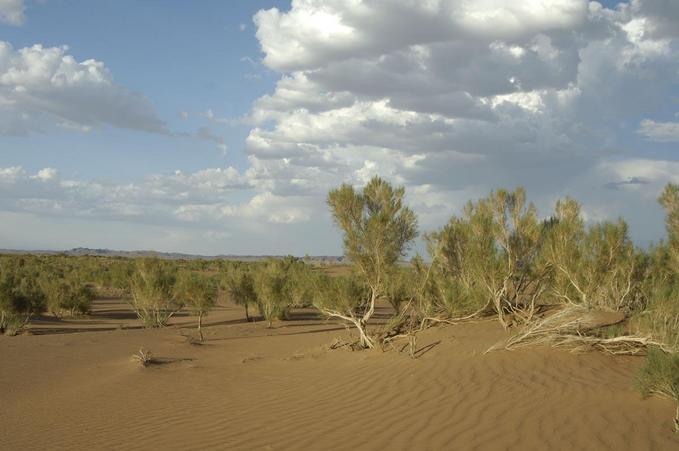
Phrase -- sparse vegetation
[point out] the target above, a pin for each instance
(143, 357)
(270, 286)
(378, 229)
(21, 297)
(198, 292)
(560, 282)
(152, 287)
(660, 376)
(240, 286)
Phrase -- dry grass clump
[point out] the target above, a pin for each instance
(143, 357)
(578, 328)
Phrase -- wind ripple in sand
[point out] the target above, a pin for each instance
(451, 398)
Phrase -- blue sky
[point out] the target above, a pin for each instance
(182, 57)
(219, 126)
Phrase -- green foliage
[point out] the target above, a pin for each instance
(240, 286)
(401, 286)
(21, 297)
(488, 258)
(669, 199)
(339, 294)
(270, 286)
(152, 288)
(660, 318)
(65, 296)
(298, 282)
(660, 376)
(377, 227)
(198, 291)
(597, 267)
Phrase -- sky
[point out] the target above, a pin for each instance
(218, 127)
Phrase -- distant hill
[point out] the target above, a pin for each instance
(83, 251)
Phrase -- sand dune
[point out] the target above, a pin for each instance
(249, 387)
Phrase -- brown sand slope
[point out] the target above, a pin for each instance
(254, 388)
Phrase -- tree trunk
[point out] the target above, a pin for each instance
(200, 324)
(247, 314)
(365, 340)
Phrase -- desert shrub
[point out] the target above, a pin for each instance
(270, 287)
(298, 282)
(660, 319)
(487, 259)
(597, 267)
(240, 286)
(378, 229)
(67, 297)
(660, 376)
(116, 275)
(143, 357)
(342, 297)
(400, 287)
(21, 297)
(152, 289)
(198, 292)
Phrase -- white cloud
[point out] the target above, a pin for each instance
(454, 97)
(12, 12)
(660, 131)
(450, 98)
(45, 86)
(206, 197)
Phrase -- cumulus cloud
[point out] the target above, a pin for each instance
(12, 12)
(450, 98)
(454, 97)
(204, 197)
(660, 131)
(45, 86)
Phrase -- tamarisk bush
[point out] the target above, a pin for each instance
(488, 258)
(240, 285)
(21, 297)
(67, 297)
(270, 286)
(343, 297)
(378, 229)
(198, 292)
(152, 288)
(597, 267)
(660, 376)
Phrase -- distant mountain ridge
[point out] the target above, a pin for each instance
(84, 251)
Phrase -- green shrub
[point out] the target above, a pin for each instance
(240, 286)
(270, 286)
(198, 292)
(152, 289)
(20, 295)
(660, 376)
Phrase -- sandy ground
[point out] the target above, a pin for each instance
(72, 385)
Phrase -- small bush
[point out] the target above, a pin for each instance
(660, 376)
(270, 286)
(199, 292)
(66, 297)
(143, 357)
(152, 289)
(20, 296)
(240, 286)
